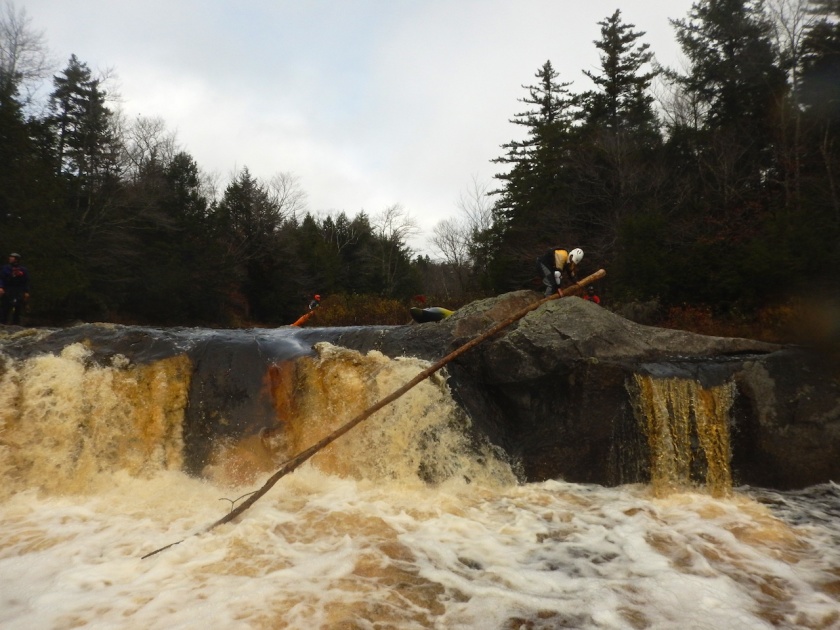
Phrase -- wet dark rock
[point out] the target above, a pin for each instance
(554, 390)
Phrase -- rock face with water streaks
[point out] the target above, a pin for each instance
(570, 391)
(560, 391)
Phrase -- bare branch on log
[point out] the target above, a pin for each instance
(303, 456)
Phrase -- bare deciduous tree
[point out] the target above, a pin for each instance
(392, 228)
(791, 21)
(455, 238)
(451, 237)
(24, 56)
(477, 206)
(146, 141)
(339, 231)
(395, 224)
(287, 195)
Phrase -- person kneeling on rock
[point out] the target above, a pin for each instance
(554, 263)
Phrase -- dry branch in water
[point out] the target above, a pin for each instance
(301, 457)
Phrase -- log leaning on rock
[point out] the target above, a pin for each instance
(305, 455)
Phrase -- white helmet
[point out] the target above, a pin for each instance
(575, 256)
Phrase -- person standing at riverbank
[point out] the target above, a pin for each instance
(14, 290)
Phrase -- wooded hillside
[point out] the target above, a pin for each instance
(717, 185)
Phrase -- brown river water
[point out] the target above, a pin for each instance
(91, 463)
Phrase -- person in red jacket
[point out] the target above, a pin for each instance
(591, 296)
(14, 290)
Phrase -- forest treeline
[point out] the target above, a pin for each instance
(714, 184)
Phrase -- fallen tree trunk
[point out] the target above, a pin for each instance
(303, 456)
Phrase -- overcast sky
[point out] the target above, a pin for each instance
(369, 103)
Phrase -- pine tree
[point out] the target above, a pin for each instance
(86, 149)
(532, 160)
(531, 210)
(724, 159)
(820, 97)
(734, 73)
(615, 163)
(622, 101)
(820, 78)
(248, 223)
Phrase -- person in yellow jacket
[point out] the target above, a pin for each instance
(554, 263)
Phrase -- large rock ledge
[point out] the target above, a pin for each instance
(557, 390)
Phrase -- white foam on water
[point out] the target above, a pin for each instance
(90, 463)
(320, 551)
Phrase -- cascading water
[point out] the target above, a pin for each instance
(687, 428)
(66, 425)
(405, 522)
(313, 396)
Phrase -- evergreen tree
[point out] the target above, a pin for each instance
(820, 73)
(177, 262)
(616, 175)
(734, 70)
(820, 96)
(532, 210)
(532, 160)
(31, 221)
(15, 149)
(359, 265)
(622, 102)
(322, 261)
(392, 228)
(722, 158)
(246, 218)
(248, 222)
(86, 148)
(736, 85)
(349, 258)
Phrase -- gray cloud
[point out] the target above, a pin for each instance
(369, 103)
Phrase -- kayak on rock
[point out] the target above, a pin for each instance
(431, 314)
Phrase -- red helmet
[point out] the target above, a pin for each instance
(318, 297)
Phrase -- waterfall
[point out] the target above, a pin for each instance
(687, 429)
(68, 424)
